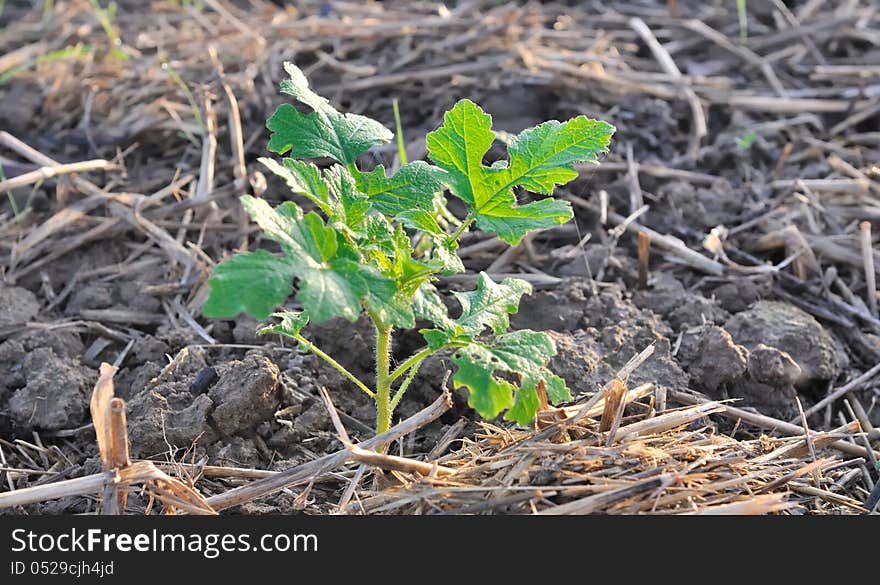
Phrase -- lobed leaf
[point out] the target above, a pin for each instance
(292, 323)
(410, 189)
(490, 304)
(523, 354)
(332, 280)
(324, 132)
(303, 179)
(428, 305)
(350, 206)
(539, 159)
(250, 282)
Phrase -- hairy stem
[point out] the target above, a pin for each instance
(400, 391)
(336, 365)
(383, 378)
(411, 361)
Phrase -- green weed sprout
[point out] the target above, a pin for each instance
(745, 141)
(355, 252)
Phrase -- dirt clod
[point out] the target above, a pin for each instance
(617, 330)
(245, 394)
(793, 331)
(56, 394)
(174, 408)
(769, 365)
(719, 361)
(17, 305)
(668, 297)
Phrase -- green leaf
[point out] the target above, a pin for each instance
(539, 159)
(292, 322)
(436, 338)
(383, 296)
(331, 292)
(305, 242)
(428, 306)
(523, 354)
(525, 405)
(488, 395)
(445, 253)
(350, 206)
(419, 220)
(377, 234)
(411, 188)
(331, 280)
(303, 179)
(250, 282)
(514, 222)
(490, 304)
(324, 132)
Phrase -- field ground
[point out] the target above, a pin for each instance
(749, 166)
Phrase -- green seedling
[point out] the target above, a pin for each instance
(354, 253)
(745, 141)
(193, 106)
(743, 17)
(106, 16)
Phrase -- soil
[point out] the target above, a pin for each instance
(224, 396)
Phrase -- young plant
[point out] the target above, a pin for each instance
(376, 243)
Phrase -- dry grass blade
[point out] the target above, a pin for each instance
(613, 400)
(758, 506)
(99, 406)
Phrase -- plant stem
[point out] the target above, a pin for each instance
(461, 229)
(400, 391)
(308, 345)
(411, 361)
(383, 378)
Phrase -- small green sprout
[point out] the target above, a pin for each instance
(355, 253)
(743, 17)
(745, 141)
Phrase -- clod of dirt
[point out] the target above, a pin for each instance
(738, 297)
(187, 363)
(793, 331)
(559, 309)
(245, 394)
(315, 418)
(17, 305)
(237, 452)
(703, 207)
(719, 361)
(777, 402)
(616, 331)
(668, 297)
(244, 330)
(174, 409)
(147, 349)
(56, 395)
(761, 378)
(154, 423)
(586, 363)
(12, 354)
(771, 366)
